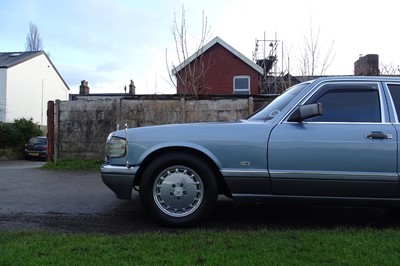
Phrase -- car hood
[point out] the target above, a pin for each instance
(225, 143)
(193, 131)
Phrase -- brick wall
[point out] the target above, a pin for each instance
(222, 66)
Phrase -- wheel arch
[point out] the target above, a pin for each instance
(222, 186)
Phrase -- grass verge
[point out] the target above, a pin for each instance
(74, 164)
(206, 247)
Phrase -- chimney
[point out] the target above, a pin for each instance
(367, 65)
(84, 88)
(132, 88)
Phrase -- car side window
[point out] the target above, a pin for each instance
(395, 93)
(348, 103)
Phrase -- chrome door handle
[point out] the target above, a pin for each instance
(378, 135)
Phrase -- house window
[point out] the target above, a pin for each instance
(241, 85)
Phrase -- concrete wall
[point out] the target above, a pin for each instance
(82, 126)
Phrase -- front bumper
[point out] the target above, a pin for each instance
(119, 179)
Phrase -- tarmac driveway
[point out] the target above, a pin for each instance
(77, 201)
(25, 188)
(34, 199)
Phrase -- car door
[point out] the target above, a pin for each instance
(348, 151)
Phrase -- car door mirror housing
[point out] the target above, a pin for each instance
(303, 112)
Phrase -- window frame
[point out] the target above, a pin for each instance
(392, 102)
(241, 90)
(317, 89)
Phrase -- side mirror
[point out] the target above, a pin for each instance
(306, 111)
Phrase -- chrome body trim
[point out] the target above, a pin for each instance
(118, 169)
(244, 173)
(287, 174)
(368, 201)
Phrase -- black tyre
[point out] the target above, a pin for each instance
(178, 189)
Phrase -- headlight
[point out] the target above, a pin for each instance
(116, 147)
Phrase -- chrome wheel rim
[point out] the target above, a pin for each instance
(178, 191)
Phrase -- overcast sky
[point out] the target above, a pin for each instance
(111, 42)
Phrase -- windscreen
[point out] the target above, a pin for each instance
(276, 106)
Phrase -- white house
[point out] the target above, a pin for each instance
(28, 80)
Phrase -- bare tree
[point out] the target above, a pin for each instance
(33, 40)
(190, 75)
(390, 69)
(310, 61)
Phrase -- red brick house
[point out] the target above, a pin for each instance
(217, 68)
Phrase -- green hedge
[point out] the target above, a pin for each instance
(14, 135)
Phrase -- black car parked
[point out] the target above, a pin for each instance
(36, 147)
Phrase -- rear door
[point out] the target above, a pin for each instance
(349, 151)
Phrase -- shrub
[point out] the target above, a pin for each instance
(14, 135)
(6, 153)
(25, 129)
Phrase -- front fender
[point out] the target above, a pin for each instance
(170, 145)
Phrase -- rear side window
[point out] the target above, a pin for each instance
(348, 103)
(395, 93)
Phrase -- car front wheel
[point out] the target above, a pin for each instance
(178, 189)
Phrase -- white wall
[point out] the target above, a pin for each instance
(3, 82)
(30, 85)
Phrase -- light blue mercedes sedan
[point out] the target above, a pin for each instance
(330, 140)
